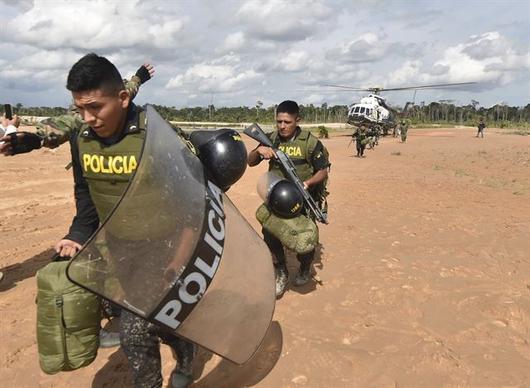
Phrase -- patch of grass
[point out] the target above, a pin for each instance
(461, 172)
(397, 153)
(520, 132)
(436, 167)
(494, 183)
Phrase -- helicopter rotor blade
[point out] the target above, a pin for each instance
(434, 86)
(377, 89)
(347, 87)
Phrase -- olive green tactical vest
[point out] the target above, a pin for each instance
(299, 151)
(108, 169)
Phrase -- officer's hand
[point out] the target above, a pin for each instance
(150, 68)
(266, 152)
(67, 248)
(19, 143)
(145, 72)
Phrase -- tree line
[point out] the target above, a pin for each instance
(441, 112)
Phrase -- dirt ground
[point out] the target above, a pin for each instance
(422, 278)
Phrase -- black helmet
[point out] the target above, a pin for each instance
(285, 200)
(223, 154)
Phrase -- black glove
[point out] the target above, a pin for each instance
(143, 74)
(22, 142)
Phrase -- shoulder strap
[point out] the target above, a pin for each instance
(311, 143)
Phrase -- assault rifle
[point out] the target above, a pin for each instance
(256, 133)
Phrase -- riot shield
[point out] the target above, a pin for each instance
(177, 252)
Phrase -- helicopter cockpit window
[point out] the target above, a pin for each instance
(356, 109)
(362, 110)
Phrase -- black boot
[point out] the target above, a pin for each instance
(303, 276)
(182, 375)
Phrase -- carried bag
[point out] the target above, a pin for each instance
(68, 321)
(298, 234)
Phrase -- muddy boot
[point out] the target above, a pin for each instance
(303, 276)
(182, 375)
(282, 279)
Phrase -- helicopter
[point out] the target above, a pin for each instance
(374, 113)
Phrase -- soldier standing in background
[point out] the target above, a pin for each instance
(481, 127)
(360, 140)
(403, 129)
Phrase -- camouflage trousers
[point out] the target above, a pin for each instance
(360, 147)
(140, 341)
(276, 248)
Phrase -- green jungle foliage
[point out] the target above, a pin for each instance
(502, 116)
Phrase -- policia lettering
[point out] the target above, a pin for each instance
(291, 150)
(119, 164)
(197, 275)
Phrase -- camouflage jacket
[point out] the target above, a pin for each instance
(55, 131)
(359, 133)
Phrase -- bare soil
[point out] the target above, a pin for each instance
(422, 278)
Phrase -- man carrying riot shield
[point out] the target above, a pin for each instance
(172, 250)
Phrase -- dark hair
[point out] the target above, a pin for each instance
(94, 72)
(289, 107)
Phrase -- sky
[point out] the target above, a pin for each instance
(236, 53)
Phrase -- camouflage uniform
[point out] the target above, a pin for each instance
(360, 140)
(55, 131)
(97, 192)
(140, 343)
(301, 233)
(403, 128)
(481, 127)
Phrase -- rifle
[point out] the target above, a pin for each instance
(255, 132)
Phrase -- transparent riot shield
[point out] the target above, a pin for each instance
(177, 252)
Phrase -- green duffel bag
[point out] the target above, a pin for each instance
(68, 321)
(299, 234)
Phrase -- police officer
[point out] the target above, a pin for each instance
(403, 129)
(360, 140)
(113, 129)
(54, 131)
(480, 128)
(310, 161)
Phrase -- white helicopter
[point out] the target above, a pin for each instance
(374, 113)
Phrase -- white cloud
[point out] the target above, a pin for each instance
(283, 20)
(221, 75)
(234, 41)
(409, 72)
(95, 25)
(489, 57)
(295, 61)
